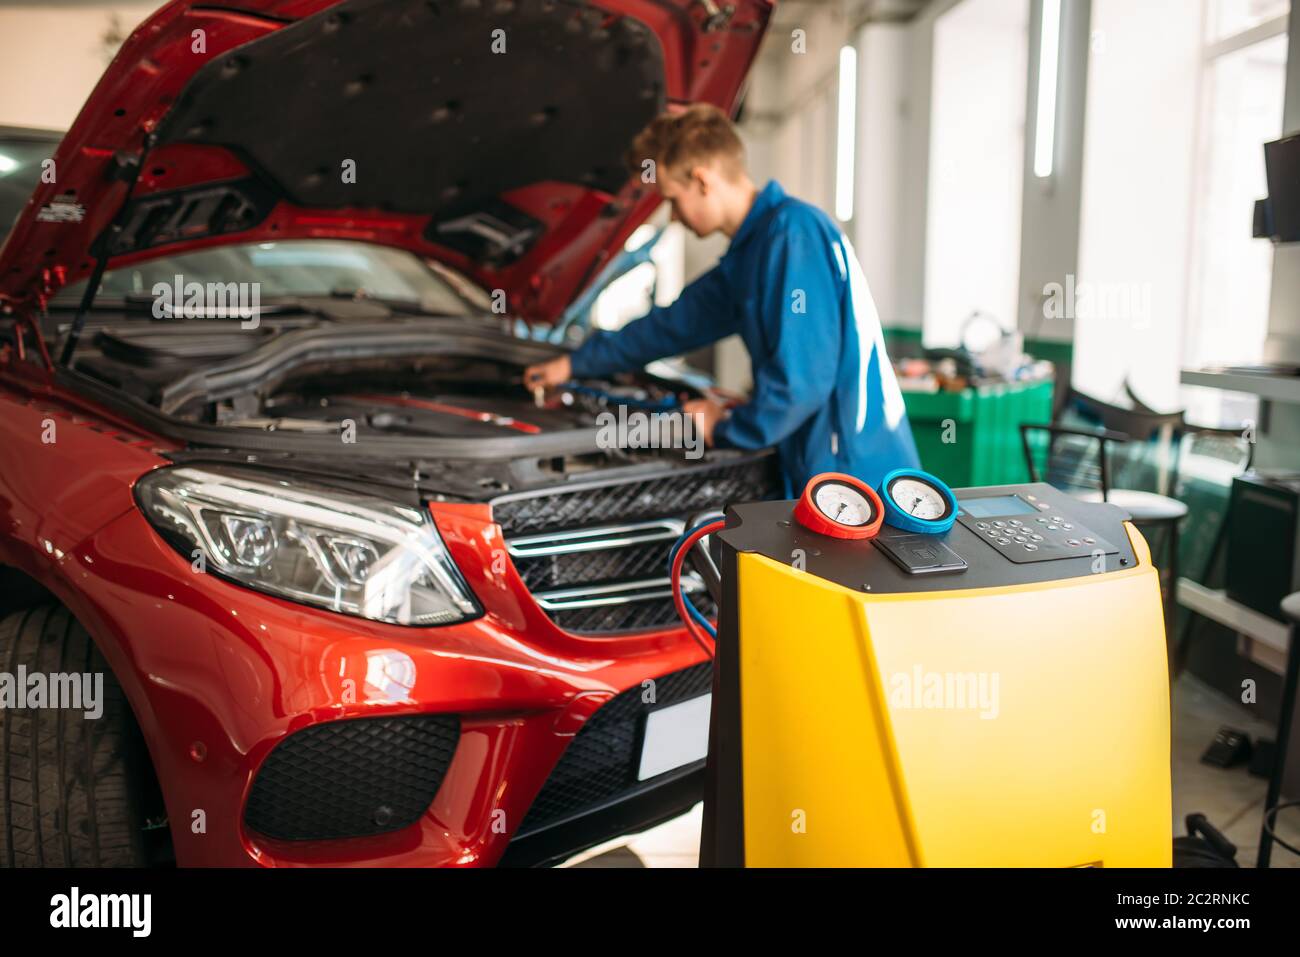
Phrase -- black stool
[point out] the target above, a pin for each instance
(1290, 608)
(1078, 462)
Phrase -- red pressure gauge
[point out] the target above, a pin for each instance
(839, 505)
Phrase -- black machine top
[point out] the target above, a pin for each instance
(1003, 535)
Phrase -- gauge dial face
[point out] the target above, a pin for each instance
(843, 504)
(839, 505)
(918, 499)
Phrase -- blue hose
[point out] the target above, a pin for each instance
(666, 404)
(686, 599)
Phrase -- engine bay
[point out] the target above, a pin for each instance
(297, 379)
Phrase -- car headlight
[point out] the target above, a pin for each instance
(336, 550)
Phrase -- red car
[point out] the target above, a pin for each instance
(355, 599)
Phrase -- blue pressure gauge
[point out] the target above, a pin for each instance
(916, 501)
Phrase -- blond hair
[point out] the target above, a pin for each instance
(696, 136)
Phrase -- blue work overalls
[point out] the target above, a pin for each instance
(824, 391)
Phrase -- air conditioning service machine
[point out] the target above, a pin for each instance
(915, 676)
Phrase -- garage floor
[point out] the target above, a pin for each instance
(1233, 800)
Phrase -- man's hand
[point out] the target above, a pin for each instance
(547, 374)
(707, 415)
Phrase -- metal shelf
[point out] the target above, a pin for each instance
(1279, 388)
(1213, 603)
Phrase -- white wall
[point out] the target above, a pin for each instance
(879, 212)
(1137, 189)
(52, 55)
(791, 105)
(1049, 239)
(914, 167)
(1049, 209)
(972, 250)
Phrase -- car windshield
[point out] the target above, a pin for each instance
(291, 269)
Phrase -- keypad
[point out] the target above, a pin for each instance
(1044, 537)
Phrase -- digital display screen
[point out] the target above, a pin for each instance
(996, 506)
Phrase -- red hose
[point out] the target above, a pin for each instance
(701, 638)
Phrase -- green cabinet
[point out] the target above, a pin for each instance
(972, 437)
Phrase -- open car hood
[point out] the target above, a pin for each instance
(487, 134)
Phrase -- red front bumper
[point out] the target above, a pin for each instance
(219, 675)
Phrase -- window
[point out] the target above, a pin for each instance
(20, 172)
(1241, 109)
(653, 281)
(1182, 95)
(1229, 18)
(290, 268)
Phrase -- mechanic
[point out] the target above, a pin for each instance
(824, 391)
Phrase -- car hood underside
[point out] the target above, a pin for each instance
(488, 134)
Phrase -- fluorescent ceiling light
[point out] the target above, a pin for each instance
(844, 147)
(1049, 49)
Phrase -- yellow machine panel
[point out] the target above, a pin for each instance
(1024, 724)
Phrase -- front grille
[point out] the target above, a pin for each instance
(576, 568)
(596, 555)
(600, 765)
(352, 778)
(680, 492)
(631, 616)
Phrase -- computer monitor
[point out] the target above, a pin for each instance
(1282, 166)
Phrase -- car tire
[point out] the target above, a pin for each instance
(71, 787)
